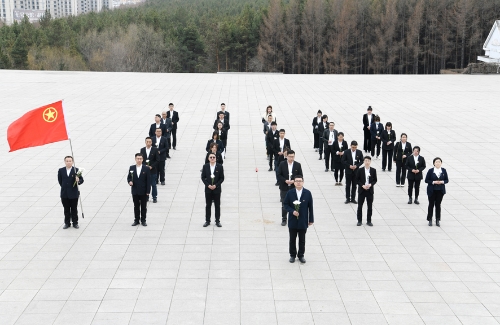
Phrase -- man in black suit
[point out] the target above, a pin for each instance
(376, 130)
(329, 137)
(367, 178)
(321, 129)
(315, 124)
(139, 179)
(223, 110)
(167, 122)
(69, 181)
(367, 122)
(351, 160)
(151, 156)
(161, 144)
(287, 170)
(271, 135)
(221, 118)
(415, 165)
(278, 146)
(174, 116)
(157, 125)
(212, 176)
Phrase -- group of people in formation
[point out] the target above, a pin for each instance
(347, 160)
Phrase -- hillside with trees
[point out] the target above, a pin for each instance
(289, 36)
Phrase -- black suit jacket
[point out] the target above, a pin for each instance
(154, 159)
(68, 191)
(220, 146)
(141, 183)
(283, 175)
(168, 127)
(225, 124)
(326, 136)
(223, 134)
(366, 123)
(218, 158)
(374, 129)
(315, 123)
(347, 161)
(162, 147)
(385, 138)
(207, 179)
(398, 152)
(270, 137)
(174, 118)
(410, 165)
(336, 147)
(321, 130)
(226, 115)
(152, 130)
(361, 177)
(276, 148)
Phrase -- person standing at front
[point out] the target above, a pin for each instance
(212, 176)
(299, 205)
(436, 179)
(69, 181)
(367, 178)
(139, 179)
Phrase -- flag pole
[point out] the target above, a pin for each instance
(77, 186)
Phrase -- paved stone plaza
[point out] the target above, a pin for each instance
(174, 271)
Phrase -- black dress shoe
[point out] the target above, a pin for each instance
(383, 170)
(292, 260)
(66, 226)
(168, 156)
(174, 148)
(135, 223)
(277, 184)
(347, 201)
(437, 223)
(369, 224)
(354, 201)
(302, 259)
(359, 224)
(416, 201)
(283, 223)
(218, 224)
(206, 224)
(409, 201)
(270, 170)
(76, 226)
(326, 170)
(144, 224)
(155, 200)
(430, 223)
(162, 183)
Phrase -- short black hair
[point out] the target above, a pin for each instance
(282, 130)
(319, 111)
(324, 116)
(148, 138)
(388, 124)
(273, 123)
(222, 104)
(377, 118)
(340, 133)
(437, 158)
(298, 176)
(138, 155)
(354, 143)
(369, 108)
(220, 112)
(159, 129)
(290, 152)
(367, 157)
(170, 104)
(332, 122)
(68, 157)
(404, 134)
(158, 115)
(417, 147)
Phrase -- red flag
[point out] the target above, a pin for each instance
(40, 126)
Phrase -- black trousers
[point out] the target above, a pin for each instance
(321, 145)
(367, 141)
(70, 210)
(387, 159)
(160, 177)
(435, 200)
(338, 167)
(293, 242)
(329, 157)
(140, 207)
(174, 137)
(375, 143)
(283, 211)
(209, 197)
(416, 184)
(316, 140)
(369, 202)
(350, 186)
(224, 142)
(400, 172)
(271, 156)
(169, 144)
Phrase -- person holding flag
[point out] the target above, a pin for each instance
(70, 178)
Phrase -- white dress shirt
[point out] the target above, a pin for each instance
(282, 144)
(158, 141)
(367, 175)
(353, 153)
(299, 194)
(148, 151)
(290, 169)
(437, 171)
(416, 159)
(340, 146)
(318, 121)
(68, 171)
(158, 125)
(212, 169)
(403, 146)
(138, 170)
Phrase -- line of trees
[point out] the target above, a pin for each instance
(289, 36)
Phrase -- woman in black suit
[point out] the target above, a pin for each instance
(214, 150)
(415, 165)
(315, 124)
(215, 139)
(388, 138)
(339, 147)
(222, 134)
(436, 179)
(402, 149)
